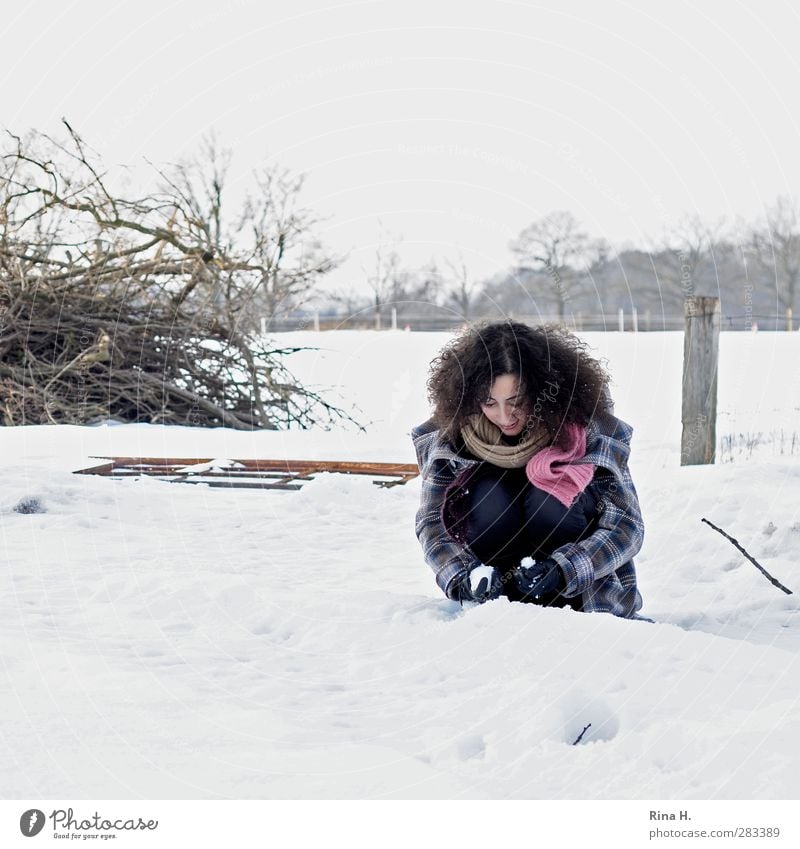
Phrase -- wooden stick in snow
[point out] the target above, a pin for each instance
(755, 563)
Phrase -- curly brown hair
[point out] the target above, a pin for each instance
(561, 382)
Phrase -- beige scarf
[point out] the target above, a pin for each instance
(483, 439)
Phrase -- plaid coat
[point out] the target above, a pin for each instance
(599, 568)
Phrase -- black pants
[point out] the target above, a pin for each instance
(509, 518)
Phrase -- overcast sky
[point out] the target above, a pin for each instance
(455, 124)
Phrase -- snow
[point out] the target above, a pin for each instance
(161, 640)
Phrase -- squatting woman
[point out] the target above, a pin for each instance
(526, 492)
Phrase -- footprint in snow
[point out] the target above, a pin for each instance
(433, 611)
(471, 747)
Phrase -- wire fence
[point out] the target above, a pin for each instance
(620, 321)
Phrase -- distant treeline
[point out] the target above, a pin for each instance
(559, 271)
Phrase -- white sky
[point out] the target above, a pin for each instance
(455, 124)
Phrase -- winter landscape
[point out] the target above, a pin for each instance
(162, 640)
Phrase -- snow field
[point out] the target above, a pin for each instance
(169, 641)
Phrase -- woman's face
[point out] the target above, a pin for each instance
(506, 407)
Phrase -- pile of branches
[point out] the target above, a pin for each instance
(131, 309)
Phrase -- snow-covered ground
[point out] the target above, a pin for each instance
(169, 641)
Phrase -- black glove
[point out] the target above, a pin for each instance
(483, 584)
(543, 578)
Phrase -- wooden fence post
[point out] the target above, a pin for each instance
(700, 360)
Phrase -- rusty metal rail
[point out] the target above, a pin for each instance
(246, 474)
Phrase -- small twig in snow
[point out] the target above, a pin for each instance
(580, 736)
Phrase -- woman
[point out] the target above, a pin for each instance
(526, 491)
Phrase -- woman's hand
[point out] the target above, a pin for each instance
(539, 578)
(485, 583)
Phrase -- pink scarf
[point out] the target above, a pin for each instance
(552, 470)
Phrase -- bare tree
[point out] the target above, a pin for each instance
(557, 246)
(463, 287)
(428, 286)
(382, 275)
(687, 256)
(271, 231)
(775, 245)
